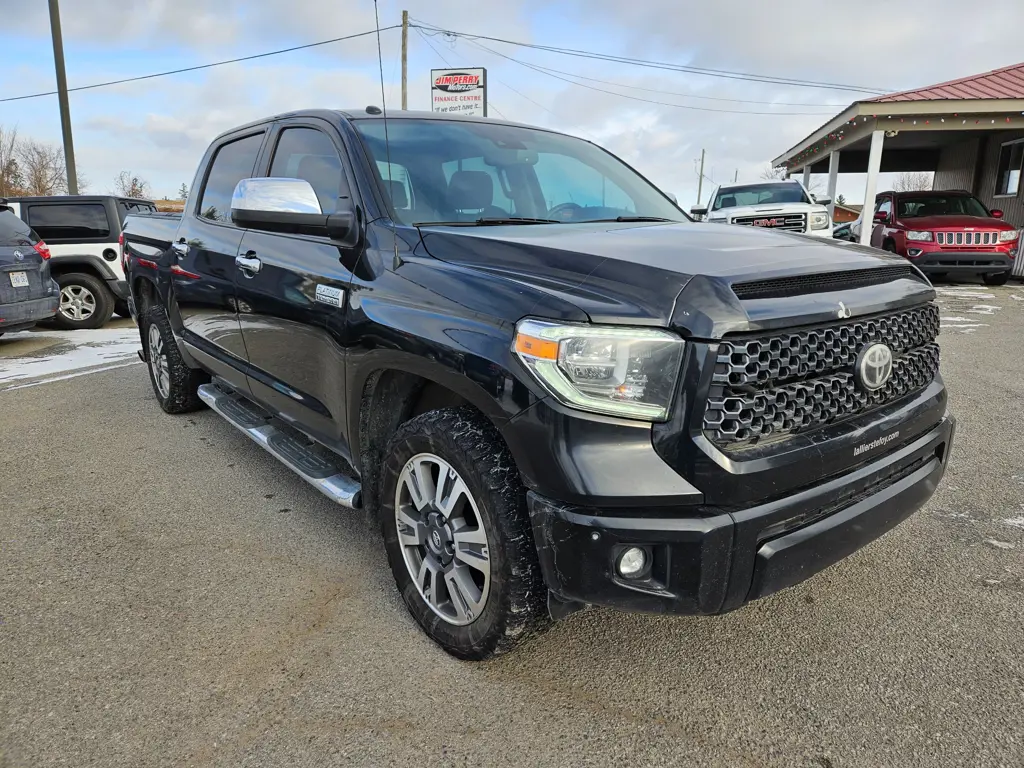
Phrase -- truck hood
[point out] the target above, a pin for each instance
(765, 210)
(954, 221)
(637, 273)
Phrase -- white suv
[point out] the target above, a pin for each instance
(785, 205)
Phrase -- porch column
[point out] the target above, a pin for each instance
(871, 187)
(807, 176)
(833, 177)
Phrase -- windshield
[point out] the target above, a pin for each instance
(759, 194)
(940, 205)
(449, 171)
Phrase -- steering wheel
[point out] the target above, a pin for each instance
(561, 209)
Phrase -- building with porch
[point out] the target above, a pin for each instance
(968, 132)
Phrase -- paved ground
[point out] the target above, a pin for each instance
(169, 595)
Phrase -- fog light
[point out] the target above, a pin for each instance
(913, 252)
(632, 562)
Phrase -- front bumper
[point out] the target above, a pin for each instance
(705, 561)
(25, 314)
(963, 262)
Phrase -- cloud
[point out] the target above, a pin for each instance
(160, 128)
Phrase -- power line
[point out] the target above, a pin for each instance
(684, 95)
(638, 98)
(204, 66)
(723, 73)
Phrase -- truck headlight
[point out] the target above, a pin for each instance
(819, 220)
(1009, 235)
(627, 372)
(919, 235)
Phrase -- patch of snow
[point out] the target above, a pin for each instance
(1015, 522)
(999, 544)
(1015, 297)
(79, 350)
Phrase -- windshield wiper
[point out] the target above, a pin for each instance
(629, 218)
(486, 222)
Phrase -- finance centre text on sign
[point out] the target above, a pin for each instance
(459, 91)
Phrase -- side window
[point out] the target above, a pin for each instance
(398, 184)
(306, 153)
(232, 163)
(477, 186)
(563, 178)
(81, 221)
(885, 206)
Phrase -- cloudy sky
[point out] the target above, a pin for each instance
(159, 128)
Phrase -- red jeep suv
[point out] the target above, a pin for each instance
(944, 232)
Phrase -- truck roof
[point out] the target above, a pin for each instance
(396, 114)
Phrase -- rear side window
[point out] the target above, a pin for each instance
(61, 221)
(232, 163)
(14, 231)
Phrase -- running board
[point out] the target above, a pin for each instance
(312, 462)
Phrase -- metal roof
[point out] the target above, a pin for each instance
(1005, 83)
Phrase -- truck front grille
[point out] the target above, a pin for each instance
(780, 384)
(791, 222)
(966, 239)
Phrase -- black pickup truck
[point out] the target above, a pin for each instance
(551, 387)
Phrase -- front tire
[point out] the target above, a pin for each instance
(85, 302)
(174, 383)
(997, 279)
(458, 537)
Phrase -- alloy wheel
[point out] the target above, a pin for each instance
(77, 302)
(443, 539)
(158, 362)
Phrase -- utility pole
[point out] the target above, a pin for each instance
(62, 97)
(405, 59)
(699, 178)
(736, 176)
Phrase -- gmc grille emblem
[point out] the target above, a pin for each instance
(766, 222)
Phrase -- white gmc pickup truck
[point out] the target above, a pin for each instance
(785, 205)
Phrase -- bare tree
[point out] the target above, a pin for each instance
(127, 184)
(11, 180)
(773, 174)
(42, 168)
(912, 182)
(183, 192)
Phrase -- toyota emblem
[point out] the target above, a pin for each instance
(874, 366)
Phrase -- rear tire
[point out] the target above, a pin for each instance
(997, 279)
(174, 383)
(466, 566)
(85, 302)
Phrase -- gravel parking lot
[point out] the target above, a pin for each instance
(170, 595)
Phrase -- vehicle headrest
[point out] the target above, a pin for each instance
(323, 172)
(470, 190)
(727, 201)
(396, 189)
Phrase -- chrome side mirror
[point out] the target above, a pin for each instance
(291, 206)
(275, 196)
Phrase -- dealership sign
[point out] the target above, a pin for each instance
(459, 91)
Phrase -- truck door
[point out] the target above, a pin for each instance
(204, 251)
(292, 303)
(883, 205)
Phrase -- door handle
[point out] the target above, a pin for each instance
(180, 248)
(248, 263)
